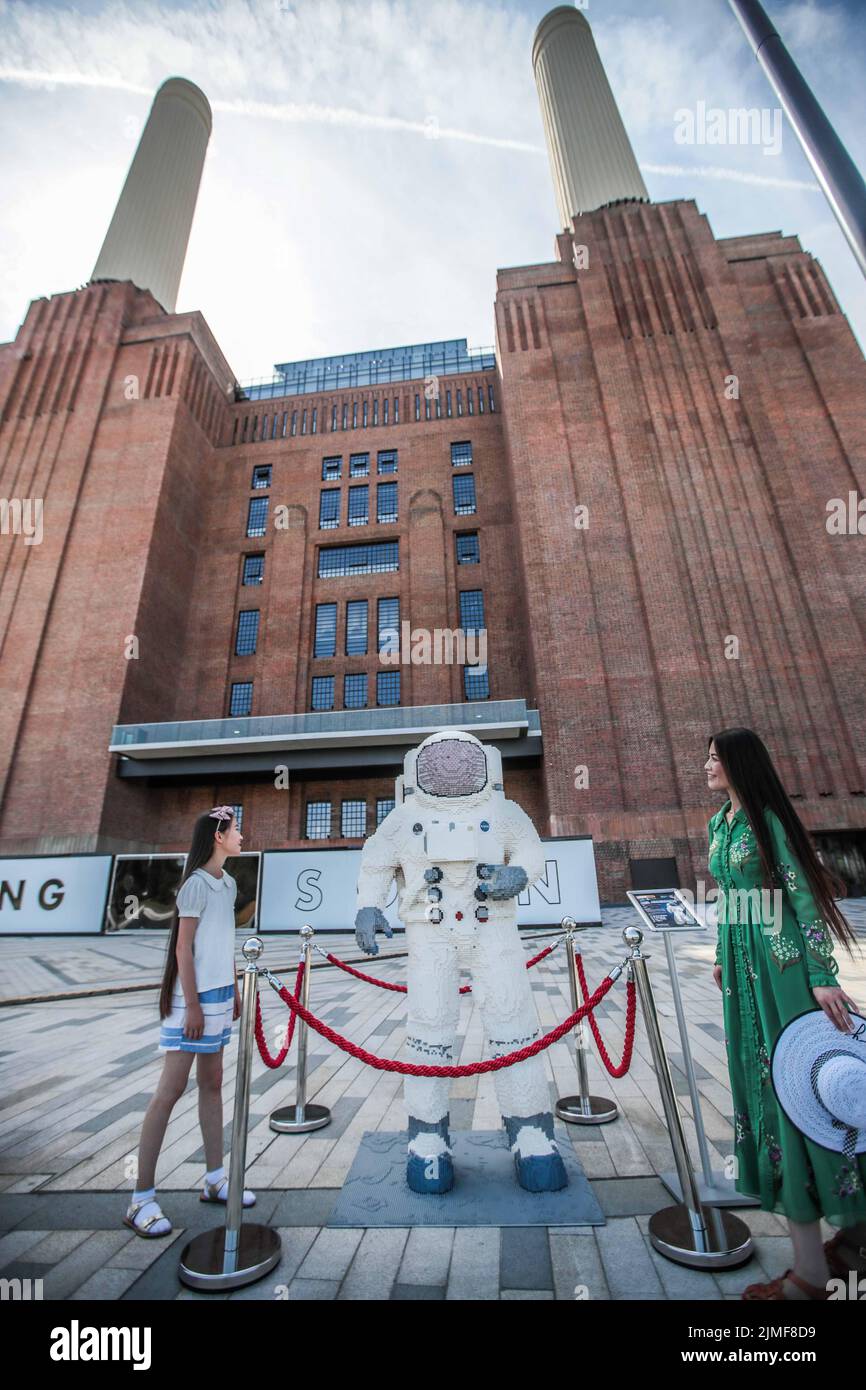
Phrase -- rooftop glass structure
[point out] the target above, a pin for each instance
(379, 365)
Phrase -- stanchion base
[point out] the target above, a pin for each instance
(203, 1258)
(285, 1120)
(728, 1239)
(721, 1192)
(586, 1110)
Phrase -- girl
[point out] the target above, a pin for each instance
(197, 1004)
(770, 971)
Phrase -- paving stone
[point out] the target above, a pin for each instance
(405, 1292)
(331, 1254)
(474, 1272)
(427, 1256)
(321, 1289)
(525, 1258)
(373, 1271)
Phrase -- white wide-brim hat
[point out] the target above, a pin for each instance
(819, 1076)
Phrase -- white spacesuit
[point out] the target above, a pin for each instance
(461, 853)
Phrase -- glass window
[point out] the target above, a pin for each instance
(262, 473)
(359, 504)
(389, 625)
(332, 467)
(353, 819)
(323, 692)
(359, 465)
(386, 461)
(384, 804)
(461, 454)
(471, 610)
(448, 403)
(248, 628)
(490, 399)
(378, 558)
(387, 687)
(242, 697)
(463, 485)
(417, 406)
(356, 627)
(468, 548)
(326, 630)
(239, 816)
(476, 684)
(257, 516)
(355, 691)
(329, 508)
(386, 502)
(318, 820)
(254, 569)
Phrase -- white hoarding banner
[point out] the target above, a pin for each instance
(42, 895)
(318, 886)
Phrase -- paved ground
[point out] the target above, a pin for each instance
(77, 1074)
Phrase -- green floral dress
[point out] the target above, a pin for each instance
(767, 980)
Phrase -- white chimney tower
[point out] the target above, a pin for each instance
(147, 239)
(591, 158)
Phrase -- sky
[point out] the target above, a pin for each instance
(373, 162)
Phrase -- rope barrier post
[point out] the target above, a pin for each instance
(235, 1254)
(687, 1233)
(302, 1117)
(582, 1109)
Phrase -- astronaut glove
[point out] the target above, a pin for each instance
(504, 881)
(369, 920)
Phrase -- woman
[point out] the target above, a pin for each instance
(774, 961)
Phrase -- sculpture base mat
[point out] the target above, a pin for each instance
(485, 1192)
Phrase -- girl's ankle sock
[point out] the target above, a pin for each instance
(143, 1194)
(216, 1176)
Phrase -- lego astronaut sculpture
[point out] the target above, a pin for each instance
(461, 853)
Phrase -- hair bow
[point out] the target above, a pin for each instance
(222, 812)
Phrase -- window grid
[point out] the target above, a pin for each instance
(262, 474)
(326, 630)
(318, 820)
(387, 687)
(323, 692)
(463, 486)
(254, 569)
(329, 509)
(359, 465)
(356, 627)
(355, 691)
(248, 628)
(353, 819)
(476, 683)
(386, 460)
(332, 467)
(468, 548)
(386, 502)
(471, 610)
(359, 505)
(242, 698)
(380, 557)
(257, 516)
(461, 454)
(384, 804)
(389, 625)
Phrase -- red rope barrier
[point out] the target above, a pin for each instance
(473, 1068)
(266, 1057)
(630, 1011)
(401, 989)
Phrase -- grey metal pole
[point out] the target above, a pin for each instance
(688, 1064)
(301, 1117)
(227, 1257)
(582, 1109)
(835, 170)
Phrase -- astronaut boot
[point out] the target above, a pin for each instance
(429, 1166)
(537, 1160)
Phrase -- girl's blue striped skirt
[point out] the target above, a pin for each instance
(217, 1006)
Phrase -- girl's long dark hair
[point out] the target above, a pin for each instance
(200, 851)
(751, 773)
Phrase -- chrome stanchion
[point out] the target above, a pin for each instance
(235, 1254)
(582, 1109)
(301, 1117)
(687, 1233)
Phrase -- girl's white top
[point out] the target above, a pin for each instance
(212, 901)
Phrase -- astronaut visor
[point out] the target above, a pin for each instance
(451, 767)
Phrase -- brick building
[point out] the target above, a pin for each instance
(628, 495)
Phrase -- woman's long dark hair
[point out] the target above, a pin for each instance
(750, 771)
(200, 851)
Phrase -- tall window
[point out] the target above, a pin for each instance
(471, 610)
(323, 692)
(356, 627)
(355, 692)
(257, 516)
(248, 629)
(386, 461)
(353, 821)
(389, 625)
(254, 569)
(476, 683)
(332, 468)
(377, 558)
(318, 820)
(326, 630)
(359, 504)
(463, 486)
(468, 549)
(329, 508)
(461, 454)
(386, 502)
(239, 816)
(359, 464)
(387, 688)
(262, 472)
(384, 804)
(242, 697)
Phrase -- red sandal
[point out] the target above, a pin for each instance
(774, 1290)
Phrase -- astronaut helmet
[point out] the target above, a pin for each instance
(452, 766)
